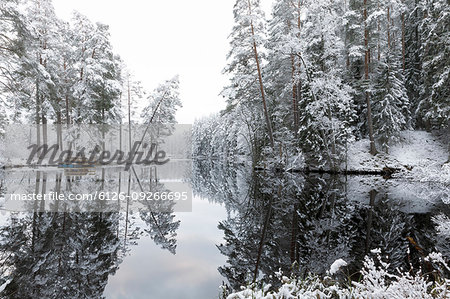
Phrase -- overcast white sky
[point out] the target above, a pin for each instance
(159, 39)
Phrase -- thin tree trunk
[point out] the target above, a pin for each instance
(379, 33)
(373, 149)
(403, 40)
(59, 130)
(372, 195)
(294, 236)
(34, 229)
(261, 86)
(261, 241)
(44, 191)
(296, 72)
(388, 27)
(129, 113)
(294, 97)
(127, 211)
(38, 118)
(67, 111)
(44, 128)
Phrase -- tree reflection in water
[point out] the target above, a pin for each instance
(302, 224)
(70, 254)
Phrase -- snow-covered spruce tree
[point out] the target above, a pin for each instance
(354, 61)
(390, 100)
(327, 111)
(413, 57)
(434, 106)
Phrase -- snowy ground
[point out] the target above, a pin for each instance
(420, 156)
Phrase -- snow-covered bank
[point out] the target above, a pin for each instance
(419, 155)
(376, 283)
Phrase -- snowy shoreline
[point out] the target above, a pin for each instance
(419, 156)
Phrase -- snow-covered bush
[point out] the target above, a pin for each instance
(376, 283)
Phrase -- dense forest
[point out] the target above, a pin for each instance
(309, 80)
(66, 72)
(318, 75)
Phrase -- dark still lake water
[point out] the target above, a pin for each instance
(234, 226)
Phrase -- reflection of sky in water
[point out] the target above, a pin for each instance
(150, 272)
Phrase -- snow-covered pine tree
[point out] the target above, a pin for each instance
(104, 79)
(283, 72)
(163, 104)
(246, 91)
(40, 65)
(98, 88)
(12, 50)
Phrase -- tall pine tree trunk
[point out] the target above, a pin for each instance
(403, 41)
(388, 28)
(38, 118)
(129, 113)
(294, 96)
(44, 128)
(373, 149)
(379, 34)
(261, 86)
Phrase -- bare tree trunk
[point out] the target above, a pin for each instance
(261, 241)
(294, 96)
(373, 149)
(372, 194)
(44, 128)
(403, 40)
(296, 91)
(129, 113)
(44, 191)
(388, 27)
(379, 34)
(67, 111)
(34, 229)
(261, 86)
(127, 211)
(294, 236)
(38, 118)
(59, 130)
